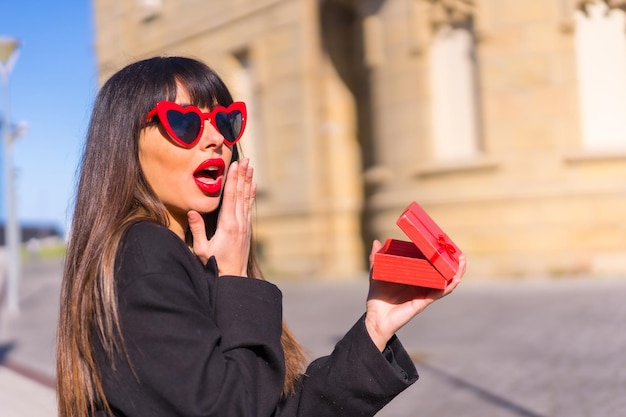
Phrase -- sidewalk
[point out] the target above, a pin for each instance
(23, 397)
(27, 344)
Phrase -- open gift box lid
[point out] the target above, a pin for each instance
(431, 259)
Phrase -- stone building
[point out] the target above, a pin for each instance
(503, 119)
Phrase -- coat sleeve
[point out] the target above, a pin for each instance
(356, 380)
(185, 361)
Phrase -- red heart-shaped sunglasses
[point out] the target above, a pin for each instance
(185, 124)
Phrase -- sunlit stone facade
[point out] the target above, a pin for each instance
(485, 112)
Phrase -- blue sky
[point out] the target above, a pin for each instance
(52, 88)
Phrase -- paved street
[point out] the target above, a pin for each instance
(27, 344)
(509, 348)
(503, 349)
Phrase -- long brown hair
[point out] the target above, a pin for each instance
(112, 195)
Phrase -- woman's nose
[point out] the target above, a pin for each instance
(211, 137)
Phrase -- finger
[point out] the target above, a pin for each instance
(376, 245)
(462, 265)
(248, 187)
(252, 198)
(196, 225)
(242, 169)
(198, 231)
(457, 277)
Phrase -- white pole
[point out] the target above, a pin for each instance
(11, 229)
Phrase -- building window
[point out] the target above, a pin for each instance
(149, 10)
(151, 4)
(601, 63)
(453, 87)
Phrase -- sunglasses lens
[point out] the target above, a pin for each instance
(229, 124)
(185, 126)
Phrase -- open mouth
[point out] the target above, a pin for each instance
(209, 175)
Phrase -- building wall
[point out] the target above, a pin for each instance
(356, 120)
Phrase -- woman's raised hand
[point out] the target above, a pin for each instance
(231, 243)
(390, 306)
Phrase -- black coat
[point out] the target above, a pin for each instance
(199, 345)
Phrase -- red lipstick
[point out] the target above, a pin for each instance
(209, 175)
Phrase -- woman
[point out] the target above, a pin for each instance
(161, 314)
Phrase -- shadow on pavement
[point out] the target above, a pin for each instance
(489, 397)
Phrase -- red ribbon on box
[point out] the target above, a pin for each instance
(444, 246)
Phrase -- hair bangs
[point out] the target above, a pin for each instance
(205, 88)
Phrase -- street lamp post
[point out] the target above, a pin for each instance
(8, 55)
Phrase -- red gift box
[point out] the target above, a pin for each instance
(431, 259)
